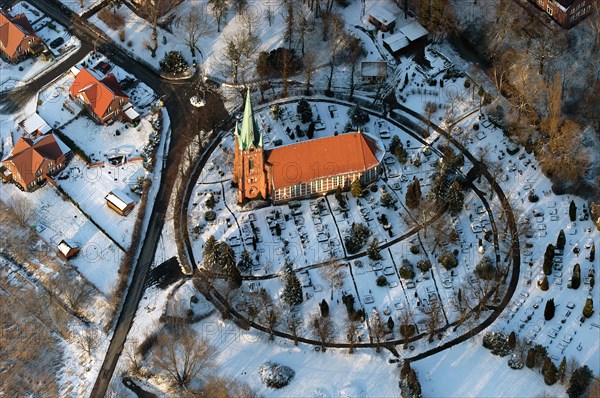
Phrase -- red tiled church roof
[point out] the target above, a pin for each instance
(99, 93)
(322, 157)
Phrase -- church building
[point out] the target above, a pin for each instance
(304, 169)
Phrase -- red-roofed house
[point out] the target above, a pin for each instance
(17, 38)
(567, 13)
(304, 169)
(103, 99)
(30, 163)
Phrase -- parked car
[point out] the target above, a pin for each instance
(56, 42)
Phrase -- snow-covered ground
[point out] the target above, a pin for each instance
(58, 219)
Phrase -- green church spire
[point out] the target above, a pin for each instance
(250, 134)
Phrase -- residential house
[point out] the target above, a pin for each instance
(567, 13)
(17, 38)
(409, 38)
(30, 163)
(382, 19)
(102, 98)
(119, 202)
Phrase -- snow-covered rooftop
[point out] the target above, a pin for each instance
(382, 15)
(33, 123)
(413, 30)
(396, 42)
(373, 68)
(119, 199)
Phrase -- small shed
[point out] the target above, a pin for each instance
(67, 249)
(373, 70)
(34, 125)
(382, 19)
(119, 202)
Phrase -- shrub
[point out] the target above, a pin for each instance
(173, 62)
(274, 375)
(424, 265)
(485, 269)
(113, 20)
(497, 342)
(210, 216)
(532, 197)
(448, 260)
(381, 281)
(515, 362)
(415, 249)
(358, 116)
(129, 43)
(588, 308)
(122, 35)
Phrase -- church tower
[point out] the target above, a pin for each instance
(249, 163)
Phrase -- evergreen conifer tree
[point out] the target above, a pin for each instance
(304, 111)
(548, 259)
(324, 307)
(561, 240)
(544, 285)
(588, 308)
(579, 382)
(549, 310)
(562, 369)
(576, 277)
(550, 372)
(356, 188)
(593, 252)
(373, 251)
(573, 211)
(245, 263)
(292, 291)
(530, 361)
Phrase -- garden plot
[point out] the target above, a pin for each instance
(89, 186)
(57, 219)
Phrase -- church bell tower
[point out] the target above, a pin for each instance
(249, 163)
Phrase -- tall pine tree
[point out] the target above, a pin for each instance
(550, 372)
(548, 259)
(561, 240)
(572, 211)
(292, 291)
(549, 310)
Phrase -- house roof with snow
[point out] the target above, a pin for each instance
(405, 35)
(29, 156)
(13, 30)
(34, 123)
(413, 30)
(99, 94)
(382, 15)
(323, 157)
(119, 199)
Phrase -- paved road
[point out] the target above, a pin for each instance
(185, 121)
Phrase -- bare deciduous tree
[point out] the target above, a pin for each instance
(352, 328)
(218, 9)
(182, 355)
(377, 330)
(294, 325)
(323, 328)
(333, 274)
(237, 56)
(87, 340)
(194, 25)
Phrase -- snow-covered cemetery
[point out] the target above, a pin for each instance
(257, 198)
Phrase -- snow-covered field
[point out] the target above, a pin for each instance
(58, 219)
